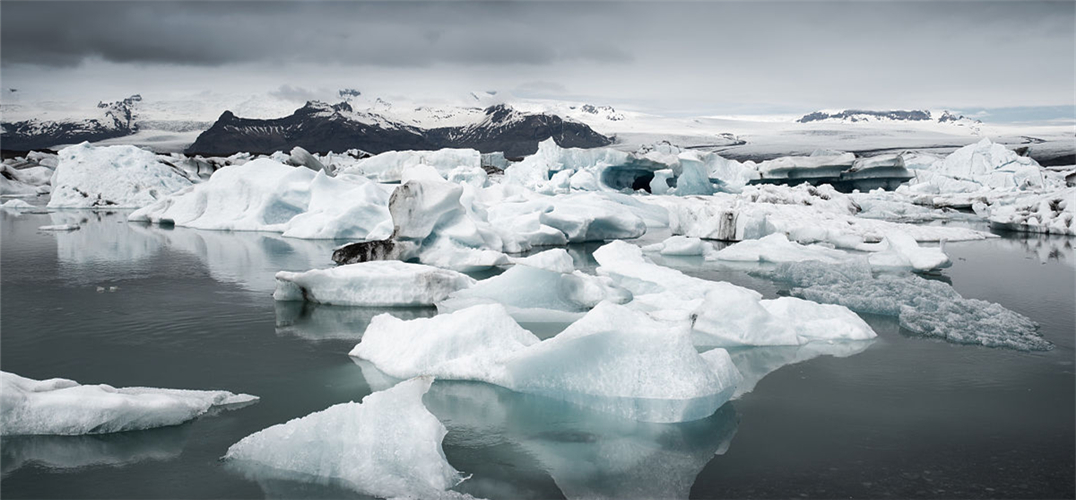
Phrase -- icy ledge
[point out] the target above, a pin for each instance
(388, 446)
(613, 360)
(64, 407)
(926, 307)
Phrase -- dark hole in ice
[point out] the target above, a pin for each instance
(625, 177)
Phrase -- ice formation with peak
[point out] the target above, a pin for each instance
(64, 407)
(613, 360)
(388, 445)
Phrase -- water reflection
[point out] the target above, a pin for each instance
(108, 246)
(318, 322)
(111, 450)
(587, 454)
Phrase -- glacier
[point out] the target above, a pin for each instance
(388, 445)
(64, 407)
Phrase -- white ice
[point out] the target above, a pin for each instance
(926, 307)
(64, 407)
(386, 283)
(388, 446)
(613, 360)
(390, 166)
(113, 176)
(264, 195)
(720, 313)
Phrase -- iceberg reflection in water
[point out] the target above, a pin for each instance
(96, 450)
(587, 454)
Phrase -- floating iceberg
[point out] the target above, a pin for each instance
(982, 166)
(899, 250)
(827, 164)
(264, 195)
(389, 446)
(16, 205)
(60, 227)
(925, 307)
(1051, 213)
(64, 407)
(719, 313)
(681, 246)
(386, 283)
(113, 176)
(777, 248)
(390, 166)
(533, 292)
(805, 214)
(614, 360)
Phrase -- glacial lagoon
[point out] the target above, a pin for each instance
(898, 416)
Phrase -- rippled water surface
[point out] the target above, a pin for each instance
(896, 417)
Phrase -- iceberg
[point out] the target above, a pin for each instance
(681, 246)
(820, 164)
(719, 313)
(1050, 213)
(385, 283)
(983, 166)
(925, 307)
(777, 248)
(613, 360)
(113, 176)
(390, 166)
(388, 446)
(16, 205)
(755, 363)
(537, 294)
(64, 407)
(264, 195)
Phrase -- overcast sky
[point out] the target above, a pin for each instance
(679, 58)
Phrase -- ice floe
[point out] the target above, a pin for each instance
(926, 307)
(1051, 213)
(65, 407)
(613, 359)
(389, 446)
(386, 283)
(541, 288)
(264, 195)
(112, 176)
(719, 313)
(390, 166)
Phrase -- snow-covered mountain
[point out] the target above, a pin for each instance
(322, 127)
(113, 119)
(869, 116)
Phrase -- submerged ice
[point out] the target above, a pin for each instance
(926, 307)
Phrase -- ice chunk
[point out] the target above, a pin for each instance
(60, 227)
(720, 313)
(264, 195)
(389, 445)
(614, 360)
(777, 248)
(900, 250)
(64, 407)
(386, 283)
(113, 176)
(820, 164)
(556, 260)
(391, 166)
(538, 295)
(16, 205)
(682, 246)
(1051, 213)
(925, 307)
(469, 344)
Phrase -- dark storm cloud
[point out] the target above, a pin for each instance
(383, 34)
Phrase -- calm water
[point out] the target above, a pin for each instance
(897, 417)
